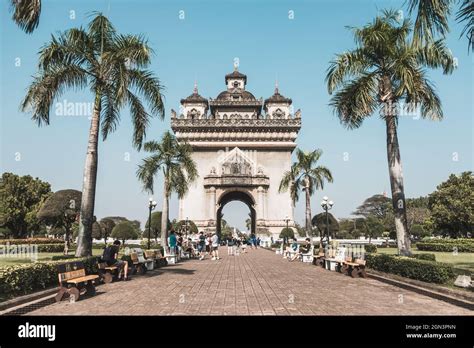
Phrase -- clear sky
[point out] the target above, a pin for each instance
(199, 40)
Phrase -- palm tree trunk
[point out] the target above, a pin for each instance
(165, 212)
(308, 211)
(396, 184)
(84, 243)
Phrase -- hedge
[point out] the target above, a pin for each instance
(32, 241)
(370, 248)
(427, 257)
(447, 245)
(23, 279)
(50, 248)
(427, 271)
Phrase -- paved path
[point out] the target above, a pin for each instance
(256, 283)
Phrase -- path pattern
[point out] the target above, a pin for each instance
(256, 283)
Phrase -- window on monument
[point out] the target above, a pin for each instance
(236, 84)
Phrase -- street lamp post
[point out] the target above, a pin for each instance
(327, 205)
(151, 206)
(287, 220)
(186, 228)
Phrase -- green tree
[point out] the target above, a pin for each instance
(287, 233)
(125, 230)
(372, 227)
(113, 67)
(106, 227)
(20, 196)
(180, 226)
(306, 175)
(419, 232)
(376, 205)
(61, 210)
(155, 227)
(174, 160)
(386, 73)
(432, 19)
(452, 206)
(26, 14)
(319, 221)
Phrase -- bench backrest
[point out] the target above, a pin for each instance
(360, 262)
(71, 270)
(137, 255)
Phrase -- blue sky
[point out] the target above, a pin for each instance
(202, 46)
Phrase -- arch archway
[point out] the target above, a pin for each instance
(236, 195)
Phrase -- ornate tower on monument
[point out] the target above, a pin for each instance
(242, 147)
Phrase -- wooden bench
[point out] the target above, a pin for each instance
(107, 273)
(157, 257)
(354, 269)
(318, 260)
(140, 264)
(74, 281)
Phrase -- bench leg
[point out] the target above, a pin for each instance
(355, 273)
(73, 294)
(108, 277)
(362, 273)
(90, 289)
(59, 296)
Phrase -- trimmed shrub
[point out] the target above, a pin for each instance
(427, 271)
(62, 257)
(23, 279)
(32, 241)
(427, 257)
(370, 248)
(50, 248)
(465, 245)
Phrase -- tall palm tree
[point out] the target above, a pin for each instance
(305, 175)
(113, 67)
(26, 14)
(384, 71)
(432, 19)
(174, 160)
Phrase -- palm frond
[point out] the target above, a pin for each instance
(49, 85)
(431, 19)
(26, 14)
(466, 14)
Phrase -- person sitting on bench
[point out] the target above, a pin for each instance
(290, 249)
(304, 249)
(110, 257)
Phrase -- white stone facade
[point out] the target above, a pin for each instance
(241, 156)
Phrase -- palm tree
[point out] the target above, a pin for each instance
(113, 67)
(26, 14)
(174, 160)
(304, 174)
(382, 72)
(432, 19)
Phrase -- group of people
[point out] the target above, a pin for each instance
(292, 252)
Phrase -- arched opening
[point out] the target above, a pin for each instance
(236, 196)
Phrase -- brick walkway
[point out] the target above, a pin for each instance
(256, 283)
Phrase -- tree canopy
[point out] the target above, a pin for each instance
(452, 206)
(20, 200)
(125, 230)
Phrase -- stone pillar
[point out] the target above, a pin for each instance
(260, 204)
(212, 203)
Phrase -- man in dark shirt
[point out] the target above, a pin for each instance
(110, 257)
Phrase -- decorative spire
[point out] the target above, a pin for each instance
(195, 90)
(276, 87)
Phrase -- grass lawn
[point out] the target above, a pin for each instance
(8, 261)
(462, 261)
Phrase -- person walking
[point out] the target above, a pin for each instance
(201, 244)
(215, 247)
(208, 244)
(230, 245)
(172, 242)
